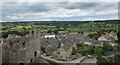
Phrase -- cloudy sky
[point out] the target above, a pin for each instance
(59, 11)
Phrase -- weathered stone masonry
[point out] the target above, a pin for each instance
(16, 49)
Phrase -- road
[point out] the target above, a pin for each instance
(57, 61)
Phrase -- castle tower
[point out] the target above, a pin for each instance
(35, 43)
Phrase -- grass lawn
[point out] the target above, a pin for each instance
(84, 49)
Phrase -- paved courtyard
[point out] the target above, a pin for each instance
(92, 60)
(57, 61)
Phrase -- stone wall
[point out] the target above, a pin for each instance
(0, 55)
(62, 54)
(24, 49)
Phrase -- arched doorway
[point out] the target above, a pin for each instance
(21, 63)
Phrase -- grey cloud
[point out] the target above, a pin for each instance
(12, 8)
(80, 5)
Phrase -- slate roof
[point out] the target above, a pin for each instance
(50, 42)
(67, 46)
(51, 50)
(108, 37)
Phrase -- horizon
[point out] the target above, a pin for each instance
(61, 21)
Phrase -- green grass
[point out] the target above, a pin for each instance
(84, 49)
(62, 31)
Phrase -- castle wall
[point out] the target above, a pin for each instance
(23, 49)
(5, 53)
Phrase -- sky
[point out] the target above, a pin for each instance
(59, 11)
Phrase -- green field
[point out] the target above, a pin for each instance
(59, 27)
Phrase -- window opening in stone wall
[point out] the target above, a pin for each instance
(23, 44)
(31, 60)
(35, 54)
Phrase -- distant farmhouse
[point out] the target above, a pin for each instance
(50, 36)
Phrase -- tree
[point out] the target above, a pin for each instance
(56, 31)
(107, 47)
(79, 44)
(98, 50)
(116, 58)
(21, 33)
(99, 58)
(43, 49)
(118, 36)
(49, 31)
(24, 28)
(4, 34)
(110, 60)
(100, 32)
(94, 36)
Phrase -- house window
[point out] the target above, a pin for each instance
(31, 60)
(58, 52)
(17, 42)
(23, 44)
(35, 54)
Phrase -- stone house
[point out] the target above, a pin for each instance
(64, 52)
(25, 49)
(50, 45)
(108, 37)
(50, 36)
(113, 35)
(105, 38)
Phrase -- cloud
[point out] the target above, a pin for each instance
(92, 19)
(13, 11)
(60, 0)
